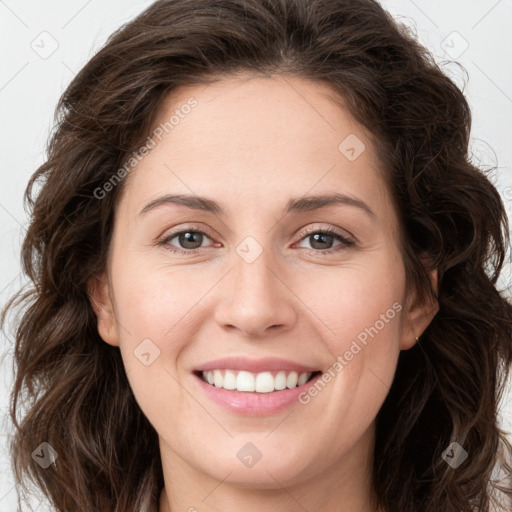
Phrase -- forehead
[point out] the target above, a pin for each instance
(258, 113)
(267, 138)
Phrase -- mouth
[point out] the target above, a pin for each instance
(255, 383)
(254, 387)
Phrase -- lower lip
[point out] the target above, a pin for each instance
(254, 404)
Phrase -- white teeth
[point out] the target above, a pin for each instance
(217, 378)
(303, 377)
(244, 382)
(291, 380)
(264, 382)
(229, 380)
(280, 381)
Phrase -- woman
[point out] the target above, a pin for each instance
(252, 371)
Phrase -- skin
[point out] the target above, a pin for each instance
(251, 144)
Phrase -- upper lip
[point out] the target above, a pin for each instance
(254, 365)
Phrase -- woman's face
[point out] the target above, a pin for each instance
(256, 279)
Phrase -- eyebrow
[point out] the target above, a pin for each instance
(294, 205)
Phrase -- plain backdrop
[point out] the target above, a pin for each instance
(44, 44)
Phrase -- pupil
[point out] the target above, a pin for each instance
(320, 236)
(187, 238)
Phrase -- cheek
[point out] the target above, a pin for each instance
(155, 300)
(155, 310)
(165, 306)
(357, 299)
(362, 310)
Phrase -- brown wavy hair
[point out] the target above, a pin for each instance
(70, 387)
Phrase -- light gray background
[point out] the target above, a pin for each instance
(475, 33)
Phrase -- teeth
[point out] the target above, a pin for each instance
(244, 382)
(303, 377)
(229, 381)
(217, 378)
(280, 381)
(291, 380)
(264, 382)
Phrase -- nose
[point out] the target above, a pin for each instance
(257, 300)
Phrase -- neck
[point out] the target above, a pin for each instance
(343, 488)
(164, 506)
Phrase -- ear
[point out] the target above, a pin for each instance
(418, 315)
(99, 295)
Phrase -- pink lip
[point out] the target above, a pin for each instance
(253, 404)
(255, 365)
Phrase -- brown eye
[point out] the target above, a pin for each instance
(321, 240)
(190, 239)
(187, 241)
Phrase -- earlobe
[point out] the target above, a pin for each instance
(418, 317)
(99, 296)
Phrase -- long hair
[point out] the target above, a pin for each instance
(70, 387)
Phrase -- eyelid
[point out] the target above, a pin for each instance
(346, 239)
(162, 240)
(342, 233)
(171, 232)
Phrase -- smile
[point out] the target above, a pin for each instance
(254, 387)
(262, 382)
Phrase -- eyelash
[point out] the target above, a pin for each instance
(346, 242)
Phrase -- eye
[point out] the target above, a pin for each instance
(320, 238)
(191, 240)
